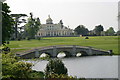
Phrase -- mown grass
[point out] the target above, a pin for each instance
(100, 42)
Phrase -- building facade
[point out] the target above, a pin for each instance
(50, 29)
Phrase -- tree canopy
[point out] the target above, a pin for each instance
(7, 23)
(55, 66)
(81, 30)
(17, 21)
(110, 31)
(32, 26)
(98, 29)
(118, 32)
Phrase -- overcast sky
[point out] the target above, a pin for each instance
(73, 12)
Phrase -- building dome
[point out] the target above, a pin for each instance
(49, 20)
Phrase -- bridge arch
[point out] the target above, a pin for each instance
(83, 53)
(67, 53)
(45, 53)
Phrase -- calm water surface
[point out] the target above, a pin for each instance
(88, 67)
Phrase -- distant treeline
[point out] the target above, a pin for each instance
(97, 31)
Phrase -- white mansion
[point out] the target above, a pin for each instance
(50, 29)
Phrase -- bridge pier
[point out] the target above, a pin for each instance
(73, 51)
(90, 51)
(36, 53)
(54, 52)
(110, 52)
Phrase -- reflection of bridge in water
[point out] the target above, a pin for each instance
(69, 50)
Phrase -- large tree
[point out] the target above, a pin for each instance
(81, 30)
(18, 21)
(118, 32)
(32, 26)
(98, 29)
(110, 31)
(55, 66)
(7, 23)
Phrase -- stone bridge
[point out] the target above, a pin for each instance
(69, 50)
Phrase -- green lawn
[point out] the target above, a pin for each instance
(100, 42)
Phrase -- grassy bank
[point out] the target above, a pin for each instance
(100, 42)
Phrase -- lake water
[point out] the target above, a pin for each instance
(87, 67)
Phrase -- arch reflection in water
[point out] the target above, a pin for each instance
(81, 53)
(61, 55)
(78, 54)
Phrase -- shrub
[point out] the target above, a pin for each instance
(86, 37)
(7, 42)
(5, 49)
(27, 38)
(19, 39)
(38, 38)
(55, 66)
(36, 74)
